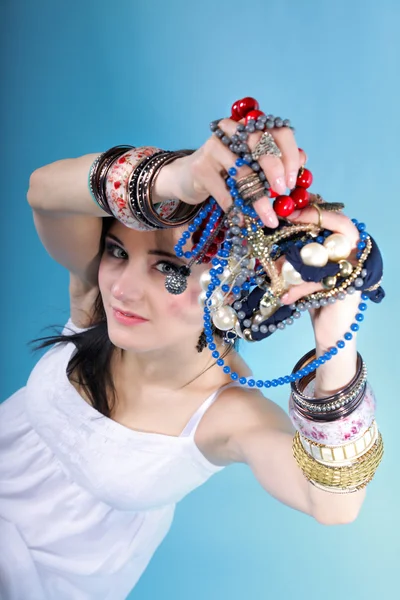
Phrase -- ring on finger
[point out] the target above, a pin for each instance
(247, 182)
(315, 205)
(254, 196)
(266, 146)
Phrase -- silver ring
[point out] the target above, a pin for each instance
(266, 146)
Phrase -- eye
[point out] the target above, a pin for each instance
(166, 267)
(112, 250)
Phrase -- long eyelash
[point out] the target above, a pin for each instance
(173, 266)
(110, 247)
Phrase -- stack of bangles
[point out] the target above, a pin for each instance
(337, 443)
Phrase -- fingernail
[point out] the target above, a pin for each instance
(279, 185)
(292, 178)
(270, 219)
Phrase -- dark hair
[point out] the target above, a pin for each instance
(94, 350)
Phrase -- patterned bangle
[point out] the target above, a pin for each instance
(332, 407)
(339, 408)
(172, 213)
(167, 215)
(298, 387)
(98, 173)
(341, 431)
(118, 187)
(341, 456)
(349, 476)
(134, 192)
(143, 198)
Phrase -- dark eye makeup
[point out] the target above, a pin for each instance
(112, 250)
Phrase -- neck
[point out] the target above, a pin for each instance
(170, 368)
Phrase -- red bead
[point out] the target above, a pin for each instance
(244, 106)
(235, 114)
(206, 259)
(220, 237)
(212, 250)
(305, 179)
(284, 206)
(196, 237)
(300, 197)
(253, 114)
(273, 194)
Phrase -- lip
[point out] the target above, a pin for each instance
(127, 319)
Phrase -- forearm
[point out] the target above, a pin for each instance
(62, 187)
(334, 509)
(336, 373)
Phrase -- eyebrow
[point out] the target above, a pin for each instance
(155, 252)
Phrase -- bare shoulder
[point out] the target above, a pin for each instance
(82, 300)
(237, 413)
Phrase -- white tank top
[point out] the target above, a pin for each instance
(84, 500)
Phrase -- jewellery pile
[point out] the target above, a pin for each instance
(243, 259)
(337, 443)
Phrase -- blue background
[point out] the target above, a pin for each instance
(79, 77)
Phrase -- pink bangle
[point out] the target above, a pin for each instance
(340, 431)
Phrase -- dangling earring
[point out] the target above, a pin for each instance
(202, 343)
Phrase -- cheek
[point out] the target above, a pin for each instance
(186, 306)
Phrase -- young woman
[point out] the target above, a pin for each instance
(124, 415)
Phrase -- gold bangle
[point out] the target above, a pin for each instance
(326, 488)
(350, 476)
(341, 456)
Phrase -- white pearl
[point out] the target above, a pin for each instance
(338, 246)
(258, 318)
(205, 280)
(216, 299)
(290, 275)
(314, 255)
(202, 297)
(238, 330)
(225, 318)
(267, 308)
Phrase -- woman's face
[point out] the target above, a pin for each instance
(132, 276)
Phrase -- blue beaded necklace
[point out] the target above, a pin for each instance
(220, 261)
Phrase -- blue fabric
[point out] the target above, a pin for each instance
(373, 265)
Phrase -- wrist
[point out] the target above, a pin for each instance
(337, 372)
(166, 185)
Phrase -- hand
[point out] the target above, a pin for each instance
(202, 174)
(332, 320)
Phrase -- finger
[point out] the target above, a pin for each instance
(286, 143)
(296, 292)
(333, 221)
(281, 173)
(303, 157)
(272, 166)
(226, 159)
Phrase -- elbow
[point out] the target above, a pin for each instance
(343, 518)
(34, 191)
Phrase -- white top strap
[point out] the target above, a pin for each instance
(194, 421)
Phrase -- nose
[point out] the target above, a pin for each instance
(128, 286)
